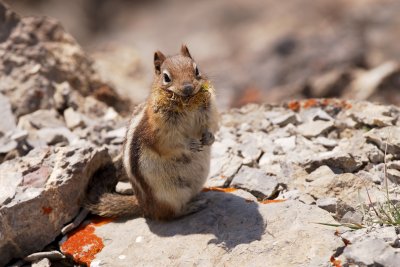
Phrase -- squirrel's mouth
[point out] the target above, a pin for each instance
(187, 97)
(179, 95)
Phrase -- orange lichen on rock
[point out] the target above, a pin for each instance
(83, 244)
(47, 210)
(346, 105)
(219, 189)
(294, 105)
(335, 262)
(268, 201)
(323, 102)
(309, 103)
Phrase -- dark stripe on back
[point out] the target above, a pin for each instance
(139, 137)
(144, 138)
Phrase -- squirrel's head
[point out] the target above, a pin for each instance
(178, 74)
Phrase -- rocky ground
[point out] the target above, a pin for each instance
(306, 183)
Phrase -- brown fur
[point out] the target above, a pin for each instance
(115, 205)
(165, 155)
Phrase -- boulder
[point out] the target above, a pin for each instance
(40, 193)
(36, 55)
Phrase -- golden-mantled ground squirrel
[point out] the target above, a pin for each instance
(166, 153)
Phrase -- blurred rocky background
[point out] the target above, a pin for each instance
(254, 51)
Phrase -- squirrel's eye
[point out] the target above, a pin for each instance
(167, 79)
(196, 70)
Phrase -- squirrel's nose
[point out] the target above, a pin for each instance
(187, 89)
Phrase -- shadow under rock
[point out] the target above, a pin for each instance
(233, 220)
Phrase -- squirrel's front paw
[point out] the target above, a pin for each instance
(195, 145)
(207, 139)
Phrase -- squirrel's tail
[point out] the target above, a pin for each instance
(100, 198)
(115, 205)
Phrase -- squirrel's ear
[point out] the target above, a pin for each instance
(185, 51)
(158, 60)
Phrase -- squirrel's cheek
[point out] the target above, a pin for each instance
(173, 89)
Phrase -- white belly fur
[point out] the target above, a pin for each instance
(161, 175)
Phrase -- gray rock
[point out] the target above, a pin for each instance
(393, 175)
(117, 134)
(230, 229)
(369, 82)
(264, 141)
(319, 172)
(347, 188)
(42, 263)
(372, 252)
(222, 170)
(8, 184)
(343, 121)
(306, 199)
(250, 151)
(93, 108)
(43, 118)
(314, 114)
(256, 181)
(359, 149)
(386, 138)
(287, 144)
(57, 135)
(219, 149)
(314, 128)
(19, 135)
(51, 255)
(335, 159)
(7, 122)
(394, 165)
(7, 145)
(386, 233)
(111, 115)
(354, 217)
(326, 142)
(374, 154)
(124, 188)
(367, 113)
(37, 54)
(282, 119)
(73, 118)
(328, 204)
(244, 127)
(297, 195)
(271, 164)
(48, 196)
(370, 176)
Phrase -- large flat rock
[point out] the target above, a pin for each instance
(231, 230)
(40, 193)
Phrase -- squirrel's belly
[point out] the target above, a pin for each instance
(176, 182)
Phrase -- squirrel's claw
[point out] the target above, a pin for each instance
(195, 145)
